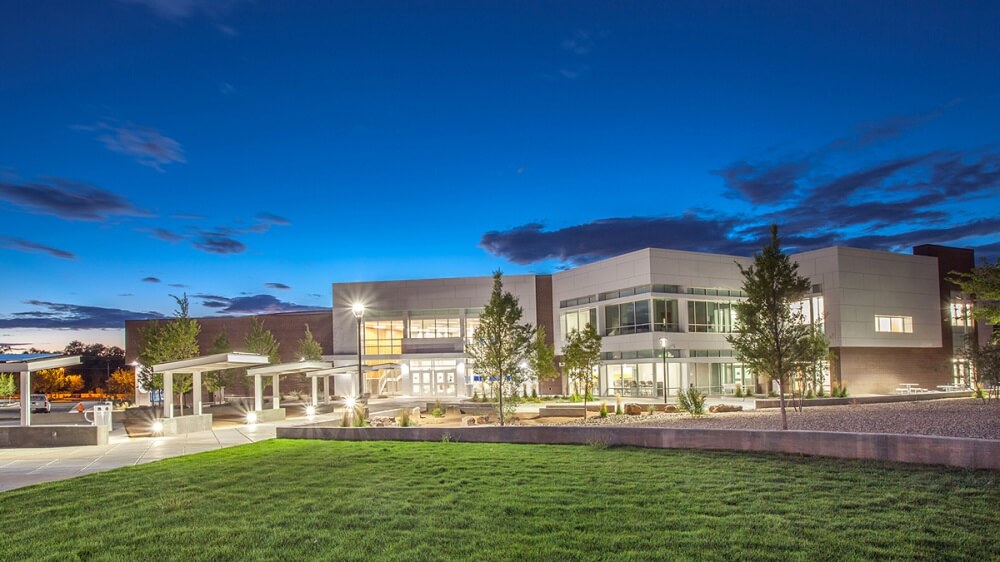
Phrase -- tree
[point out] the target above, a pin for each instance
(260, 340)
(96, 361)
(48, 380)
(501, 345)
(772, 333)
(221, 380)
(984, 283)
(8, 386)
(542, 359)
(121, 385)
(582, 355)
(309, 348)
(173, 340)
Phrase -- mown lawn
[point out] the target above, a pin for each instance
(300, 500)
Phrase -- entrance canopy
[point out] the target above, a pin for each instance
(275, 371)
(25, 364)
(196, 366)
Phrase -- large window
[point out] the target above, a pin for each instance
(665, 316)
(577, 320)
(383, 337)
(812, 309)
(435, 328)
(894, 324)
(471, 324)
(627, 318)
(961, 315)
(708, 316)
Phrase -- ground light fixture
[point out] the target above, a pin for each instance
(663, 344)
(157, 428)
(358, 309)
(310, 411)
(251, 418)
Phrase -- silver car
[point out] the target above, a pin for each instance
(40, 404)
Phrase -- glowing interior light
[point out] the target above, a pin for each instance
(252, 417)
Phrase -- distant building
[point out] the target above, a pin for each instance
(890, 319)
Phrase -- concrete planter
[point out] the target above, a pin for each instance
(762, 404)
(52, 436)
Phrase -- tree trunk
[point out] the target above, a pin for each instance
(586, 391)
(500, 393)
(781, 392)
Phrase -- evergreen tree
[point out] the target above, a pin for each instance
(542, 360)
(309, 348)
(501, 345)
(582, 354)
(221, 380)
(172, 340)
(8, 386)
(261, 341)
(773, 335)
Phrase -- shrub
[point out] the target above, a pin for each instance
(739, 391)
(651, 410)
(574, 398)
(843, 392)
(820, 393)
(980, 393)
(534, 393)
(437, 412)
(810, 395)
(475, 396)
(345, 420)
(692, 401)
(618, 405)
(404, 418)
(604, 409)
(772, 394)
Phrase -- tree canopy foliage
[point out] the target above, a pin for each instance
(582, 355)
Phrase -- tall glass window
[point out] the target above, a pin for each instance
(709, 316)
(812, 309)
(665, 316)
(577, 320)
(961, 315)
(627, 318)
(383, 337)
(894, 324)
(470, 328)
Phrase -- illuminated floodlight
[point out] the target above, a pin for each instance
(310, 411)
(251, 418)
(157, 427)
(358, 309)
(350, 402)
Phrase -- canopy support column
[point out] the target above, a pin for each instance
(315, 391)
(168, 394)
(275, 393)
(196, 392)
(258, 393)
(326, 389)
(26, 397)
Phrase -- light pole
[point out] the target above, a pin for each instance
(663, 345)
(359, 312)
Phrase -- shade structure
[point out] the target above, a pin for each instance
(25, 365)
(196, 366)
(279, 370)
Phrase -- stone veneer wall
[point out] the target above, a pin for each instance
(879, 370)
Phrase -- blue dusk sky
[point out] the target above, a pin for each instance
(250, 153)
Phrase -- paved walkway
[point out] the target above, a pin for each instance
(23, 467)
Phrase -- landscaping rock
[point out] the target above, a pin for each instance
(482, 420)
(722, 408)
(633, 410)
(415, 414)
(469, 420)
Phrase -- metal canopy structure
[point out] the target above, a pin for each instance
(24, 365)
(347, 370)
(278, 370)
(197, 366)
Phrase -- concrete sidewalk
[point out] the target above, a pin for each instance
(23, 467)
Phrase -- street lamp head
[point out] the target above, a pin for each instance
(358, 309)
(664, 342)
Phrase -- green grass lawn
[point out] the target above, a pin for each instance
(298, 500)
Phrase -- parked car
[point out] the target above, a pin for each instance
(40, 403)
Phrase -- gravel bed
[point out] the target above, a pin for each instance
(961, 417)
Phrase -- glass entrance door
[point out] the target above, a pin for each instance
(434, 378)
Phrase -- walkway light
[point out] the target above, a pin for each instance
(358, 309)
(251, 418)
(310, 411)
(157, 428)
(663, 344)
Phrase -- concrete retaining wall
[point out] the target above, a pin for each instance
(851, 400)
(919, 449)
(270, 415)
(186, 424)
(52, 436)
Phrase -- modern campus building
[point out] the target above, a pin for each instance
(663, 314)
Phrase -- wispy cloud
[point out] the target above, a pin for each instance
(218, 242)
(29, 246)
(252, 304)
(280, 286)
(163, 234)
(145, 145)
(184, 9)
(150, 279)
(72, 316)
(68, 199)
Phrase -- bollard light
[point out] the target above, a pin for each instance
(252, 418)
(310, 411)
(157, 427)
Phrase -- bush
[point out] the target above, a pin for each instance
(810, 395)
(404, 418)
(574, 398)
(843, 392)
(603, 412)
(437, 412)
(475, 396)
(345, 420)
(618, 405)
(692, 401)
(772, 394)
(739, 391)
(534, 393)
(820, 393)
(651, 409)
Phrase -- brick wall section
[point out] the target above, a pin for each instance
(545, 318)
(918, 449)
(879, 370)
